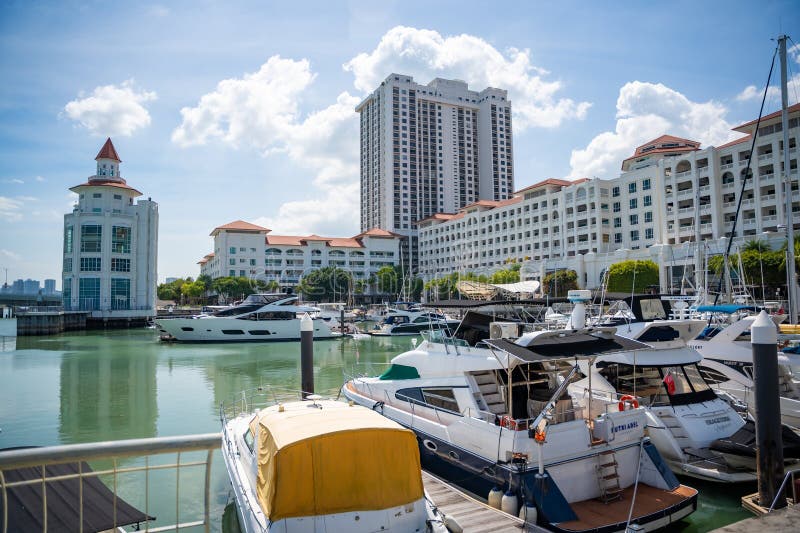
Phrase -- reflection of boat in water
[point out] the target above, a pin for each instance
(498, 411)
(322, 465)
(260, 317)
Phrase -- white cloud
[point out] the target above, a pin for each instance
(10, 255)
(111, 110)
(646, 111)
(426, 54)
(751, 92)
(10, 209)
(39, 178)
(260, 110)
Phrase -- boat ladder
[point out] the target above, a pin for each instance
(492, 396)
(608, 476)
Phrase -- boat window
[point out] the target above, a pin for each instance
(421, 319)
(259, 332)
(712, 376)
(748, 371)
(675, 380)
(443, 398)
(697, 381)
(187, 329)
(640, 381)
(409, 395)
(658, 334)
(233, 332)
(249, 440)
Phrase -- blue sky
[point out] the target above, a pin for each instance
(244, 110)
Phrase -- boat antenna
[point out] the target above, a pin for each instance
(747, 174)
(792, 288)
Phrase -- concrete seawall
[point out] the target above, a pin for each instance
(50, 323)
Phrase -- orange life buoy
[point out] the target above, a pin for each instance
(628, 398)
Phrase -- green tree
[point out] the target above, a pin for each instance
(559, 282)
(193, 290)
(326, 284)
(171, 290)
(621, 277)
(387, 280)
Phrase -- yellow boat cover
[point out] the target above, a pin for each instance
(333, 459)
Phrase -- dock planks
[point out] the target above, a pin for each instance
(472, 515)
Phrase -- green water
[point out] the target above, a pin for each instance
(121, 384)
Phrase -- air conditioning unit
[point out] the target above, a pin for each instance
(503, 330)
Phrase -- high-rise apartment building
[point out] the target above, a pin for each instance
(431, 148)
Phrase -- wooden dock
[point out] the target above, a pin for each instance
(472, 515)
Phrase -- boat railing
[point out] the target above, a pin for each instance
(132, 469)
(250, 400)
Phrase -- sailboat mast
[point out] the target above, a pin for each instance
(787, 180)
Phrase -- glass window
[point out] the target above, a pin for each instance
(120, 240)
(647, 201)
(675, 380)
(634, 219)
(694, 377)
(617, 222)
(633, 203)
(632, 187)
(648, 216)
(120, 265)
(120, 293)
(616, 207)
(89, 294)
(249, 440)
(442, 398)
(91, 236)
(232, 250)
(67, 264)
(90, 264)
(68, 231)
(617, 238)
(232, 262)
(231, 273)
(615, 191)
(117, 197)
(646, 184)
(648, 233)
(66, 293)
(635, 235)
(97, 195)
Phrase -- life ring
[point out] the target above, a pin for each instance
(508, 422)
(628, 398)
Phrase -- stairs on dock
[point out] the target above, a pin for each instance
(487, 384)
(608, 477)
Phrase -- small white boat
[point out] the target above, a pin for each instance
(322, 465)
(259, 318)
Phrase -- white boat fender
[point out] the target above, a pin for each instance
(452, 524)
(495, 497)
(528, 513)
(509, 503)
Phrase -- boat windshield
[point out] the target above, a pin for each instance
(252, 303)
(659, 385)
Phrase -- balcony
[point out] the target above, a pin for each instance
(686, 193)
(766, 177)
(730, 185)
(769, 218)
(682, 174)
(726, 166)
(767, 197)
(764, 157)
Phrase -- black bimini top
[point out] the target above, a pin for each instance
(25, 502)
(581, 345)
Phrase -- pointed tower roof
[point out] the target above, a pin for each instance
(108, 152)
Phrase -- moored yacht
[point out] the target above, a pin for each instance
(259, 318)
(499, 411)
(322, 465)
(414, 323)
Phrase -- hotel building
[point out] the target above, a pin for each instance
(671, 192)
(247, 250)
(110, 245)
(431, 148)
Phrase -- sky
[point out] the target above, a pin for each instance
(245, 110)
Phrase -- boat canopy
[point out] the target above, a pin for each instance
(329, 457)
(580, 344)
(654, 357)
(726, 308)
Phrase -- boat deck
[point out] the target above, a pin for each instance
(594, 513)
(472, 515)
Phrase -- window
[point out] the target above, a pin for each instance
(68, 240)
(120, 293)
(635, 235)
(117, 197)
(242, 249)
(120, 265)
(648, 216)
(231, 273)
(646, 184)
(616, 207)
(66, 293)
(634, 219)
(249, 440)
(647, 201)
(617, 238)
(633, 203)
(632, 187)
(615, 192)
(120, 240)
(252, 262)
(97, 195)
(91, 236)
(648, 233)
(90, 264)
(232, 262)
(232, 250)
(67, 264)
(617, 222)
(89, 294)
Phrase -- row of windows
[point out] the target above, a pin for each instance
(646, 185)
(94, 264)
(92, 238)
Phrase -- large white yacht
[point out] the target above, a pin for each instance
(499, 412)
(259, 318)
(728, 365)
(322, 465)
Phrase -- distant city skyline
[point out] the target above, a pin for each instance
(224, 113)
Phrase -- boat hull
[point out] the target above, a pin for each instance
(213, 329)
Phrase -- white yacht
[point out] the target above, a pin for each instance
(260, 318)
(322, 465)
(728, 366)
(413, 323)
(499, 412)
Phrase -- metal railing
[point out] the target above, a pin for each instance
(114, 451)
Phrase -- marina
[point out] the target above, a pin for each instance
(97, 386)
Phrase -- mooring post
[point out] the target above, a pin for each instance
(306, 355)
(341, 321)
(769, 441)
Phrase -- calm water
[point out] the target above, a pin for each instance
(83, 387)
